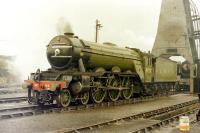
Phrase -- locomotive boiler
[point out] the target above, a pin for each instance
(67, 51)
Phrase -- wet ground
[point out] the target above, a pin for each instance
(123, 126)
(69, 120)
(194, 128)
(174, 127)
(130, 126)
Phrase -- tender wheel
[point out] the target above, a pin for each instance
(128, 93)
(84, 98)
(98, 95)
(114, 94)
(64, 98)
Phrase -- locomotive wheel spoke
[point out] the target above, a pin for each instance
(84, 98)
(98, 95)
(127, 93)
(64, 98)
(114, 94)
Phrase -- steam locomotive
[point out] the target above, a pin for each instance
(83, 71)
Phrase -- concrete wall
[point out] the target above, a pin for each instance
(173, 31)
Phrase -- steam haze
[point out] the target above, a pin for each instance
(63, 26)
(28, 26)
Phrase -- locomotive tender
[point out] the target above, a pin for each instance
(82, 71)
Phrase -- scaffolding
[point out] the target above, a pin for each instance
(195, 19)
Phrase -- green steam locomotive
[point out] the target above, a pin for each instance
(83, 71)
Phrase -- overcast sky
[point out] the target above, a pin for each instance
(27, 26)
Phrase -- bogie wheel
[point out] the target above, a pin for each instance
(84, 98)
(114, 95)
(40, 103)
(64, 98)
(129, 92)
(98, 95)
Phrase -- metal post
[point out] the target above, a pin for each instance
(98, 26)
(198, 114)
(191, 79)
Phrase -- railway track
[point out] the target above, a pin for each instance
(36, 110)
(20, 112)
(164, 115)
(13, 100)
(9, 86)
(168, 121)
(10, 91)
